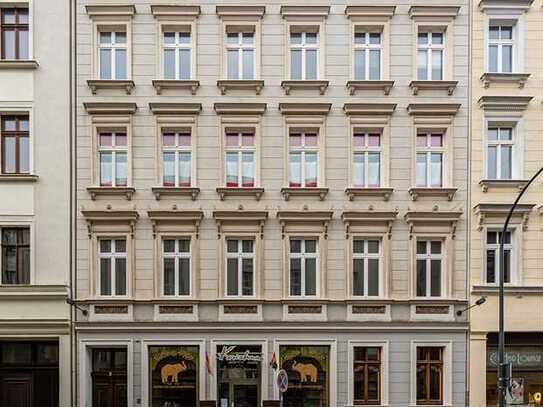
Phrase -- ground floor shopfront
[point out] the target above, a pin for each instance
(236, 367)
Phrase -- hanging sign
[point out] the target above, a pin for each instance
(227, 355)
(282, 380)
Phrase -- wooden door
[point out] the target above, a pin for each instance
(109, 391)
(16, 390)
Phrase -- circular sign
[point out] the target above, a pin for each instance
(282, 380)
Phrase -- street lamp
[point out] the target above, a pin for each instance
(503, 372)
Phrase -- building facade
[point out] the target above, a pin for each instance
(34, 203)
(505, 153)
(271, 186)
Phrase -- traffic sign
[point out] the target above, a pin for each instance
(282, 380)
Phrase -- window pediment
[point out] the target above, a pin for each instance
(369, 109)
(504, 103)
(94, 11)
(521, 5)
(442, 222)
(110, 220)
(368, 221)
(305, 108)
(305, 11)
(488, 213)
(108, 108)
(240, 108)
(433, 109)
(176, 108)
(241, 11)
(381, 12)
(166, 10)
(304, 222)
(240, 221)
(432, 12)
(175, 221)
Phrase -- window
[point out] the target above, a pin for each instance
(113, 54)
(304, 55)
(112, 276)
(430, 154)
(240, 265)
(368, 48)
(303, 267)
(15, 145)
(15, 259)
(429, 268)
(367, 375)
(14, 33)
(366, 160)
(492, 251)
(176, 158)
(113, 154)
(366, 257)
(240, 59)
(429, 375)
(303, 159)
(430, 50)
(176, 267)
(240, 159)
(177, 54)
(499, 153)
(501, 48)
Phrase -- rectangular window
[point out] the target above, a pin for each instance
(240, 268)
(368, 49)
(430, 50)
(430, 154)
(240, 157)
(303, 267)
(366, 160)
(176, 267)
(240, 55)
(113, 55)
(367, 375)
(14, 33)
(501, 48)
(15, 144)
(304, 56)
(492, 256)
(15, 259)
(499, 153)
(176, 158)
(303, 159)
(429, 375)
(366, 257)
(112, 276)
(113, 156)
(429, 268)
(177, 54)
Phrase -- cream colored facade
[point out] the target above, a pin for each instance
(506, 101)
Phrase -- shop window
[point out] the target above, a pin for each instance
(109, 377)
(367, 375)
(15, 259)
(429, 375)
(308, 369)
(173, 375)
(239, 372)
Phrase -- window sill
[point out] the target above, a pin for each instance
(191, 85)
(240, 84)
(127, 192)
(417, 193)
(289, 85)
(96, 84)
(494, 77)
(18, 178)
(19, 64)
(499, 183)
(385, 86)
(448, 86)
(225, 192)
(383, 193)
(509, 289)
(287, 193)
(193, 192)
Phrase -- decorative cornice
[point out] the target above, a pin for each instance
(370, 11)
(168, 10)
(175, 108)
(370, 216)
(258, 218)
(363, 109)
(305, 11)
(521, 5)
(240, 11)
(130, 217)
(118, 108)
(240, 108)
(305, 108)
(108, 10)
(499, 210)
(432, 217)
(504, 103)
(433, 109)
(305, 217)
(172, 216)
(434, 11)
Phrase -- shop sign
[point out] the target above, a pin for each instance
(227, 354)
(519, 357)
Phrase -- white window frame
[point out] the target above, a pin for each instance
(318, 46)
(384, 346)
(514, 143)
(177, 150)
(500, 43)
(113, 46)
(514, 18)
(113, 149)
(366, 48)
(239, 150)
(428, 150)
(177, 46)
(240, 47)
(240, 255)
(429, 47)
(112, 256)
(428, 257)
(303, 149)
(514, 247)
(303, 256)
(365, 151)
(366, 257)
(176, 255)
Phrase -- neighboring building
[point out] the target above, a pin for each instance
(506, 151)
(271, 182)
(35, 355)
